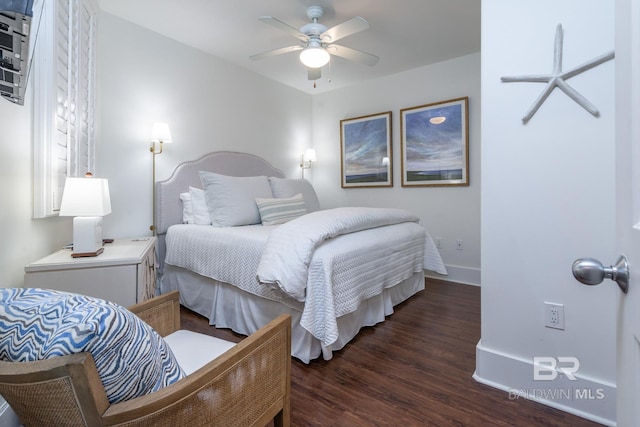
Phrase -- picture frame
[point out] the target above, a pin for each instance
(434, 144)
(366, 151)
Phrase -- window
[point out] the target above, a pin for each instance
(64, 99)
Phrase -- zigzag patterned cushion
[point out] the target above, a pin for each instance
(131, 358)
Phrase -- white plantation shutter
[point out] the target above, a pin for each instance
(86, 89)
(64, 100)
(62, 134)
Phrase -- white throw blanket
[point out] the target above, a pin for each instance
(290, 247)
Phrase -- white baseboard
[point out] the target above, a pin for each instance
(464, 275)
(584, 397)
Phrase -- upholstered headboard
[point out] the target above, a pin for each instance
(168, 204)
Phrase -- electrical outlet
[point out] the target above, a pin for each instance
(554, 315)
(439, 242)
(459, 245)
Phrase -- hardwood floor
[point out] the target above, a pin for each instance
(414, 369)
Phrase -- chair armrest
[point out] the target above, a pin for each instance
(68, 385)
(162, 313)
(248, 385)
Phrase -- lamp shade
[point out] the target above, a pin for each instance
(85, 197)
(314, 56)
(310, 155)
(160, 133)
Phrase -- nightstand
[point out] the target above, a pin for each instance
(124, 273)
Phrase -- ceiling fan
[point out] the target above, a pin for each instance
(316, 42)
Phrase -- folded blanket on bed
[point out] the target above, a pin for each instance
(290, 247)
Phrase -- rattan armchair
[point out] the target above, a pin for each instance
(249, 385)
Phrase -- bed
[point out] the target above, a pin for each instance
(347, 269)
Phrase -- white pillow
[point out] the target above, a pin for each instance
(187, 208)
(281, 210)
(232, 200)
(200, 210)
(194, 207)
(286, 187)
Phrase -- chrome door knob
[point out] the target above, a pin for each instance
(590, 271)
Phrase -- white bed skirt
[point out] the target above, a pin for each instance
(227, 306)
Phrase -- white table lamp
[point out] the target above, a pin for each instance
(87, 200)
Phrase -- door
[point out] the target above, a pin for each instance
(628, 206)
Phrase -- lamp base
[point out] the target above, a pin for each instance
(87, 236)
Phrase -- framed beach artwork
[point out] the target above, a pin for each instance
(365, 144)
(435, 144)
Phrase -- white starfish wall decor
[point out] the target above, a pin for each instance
(557, 79)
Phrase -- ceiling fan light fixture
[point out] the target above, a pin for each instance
(315, 57)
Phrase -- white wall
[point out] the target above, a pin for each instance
(210, 105)
(24, 239)
(451, 213)
(547, 199)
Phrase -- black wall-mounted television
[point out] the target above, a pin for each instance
(15, 55)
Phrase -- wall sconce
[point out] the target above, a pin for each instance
(160, 134)
(87, 200)
(308, 157)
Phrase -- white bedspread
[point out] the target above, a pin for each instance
(341, 273)
(290, 247)
(226, 254)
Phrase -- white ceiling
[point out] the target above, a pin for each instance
(405, 34)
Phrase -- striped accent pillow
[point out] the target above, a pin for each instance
(131, 358)
(281, 210)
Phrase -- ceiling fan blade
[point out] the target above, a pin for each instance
(285, 27)
(353, 54)
(314, 73)
(352, 26)
(274, 52)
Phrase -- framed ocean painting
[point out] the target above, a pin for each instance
(365, 144)
(435, 144)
